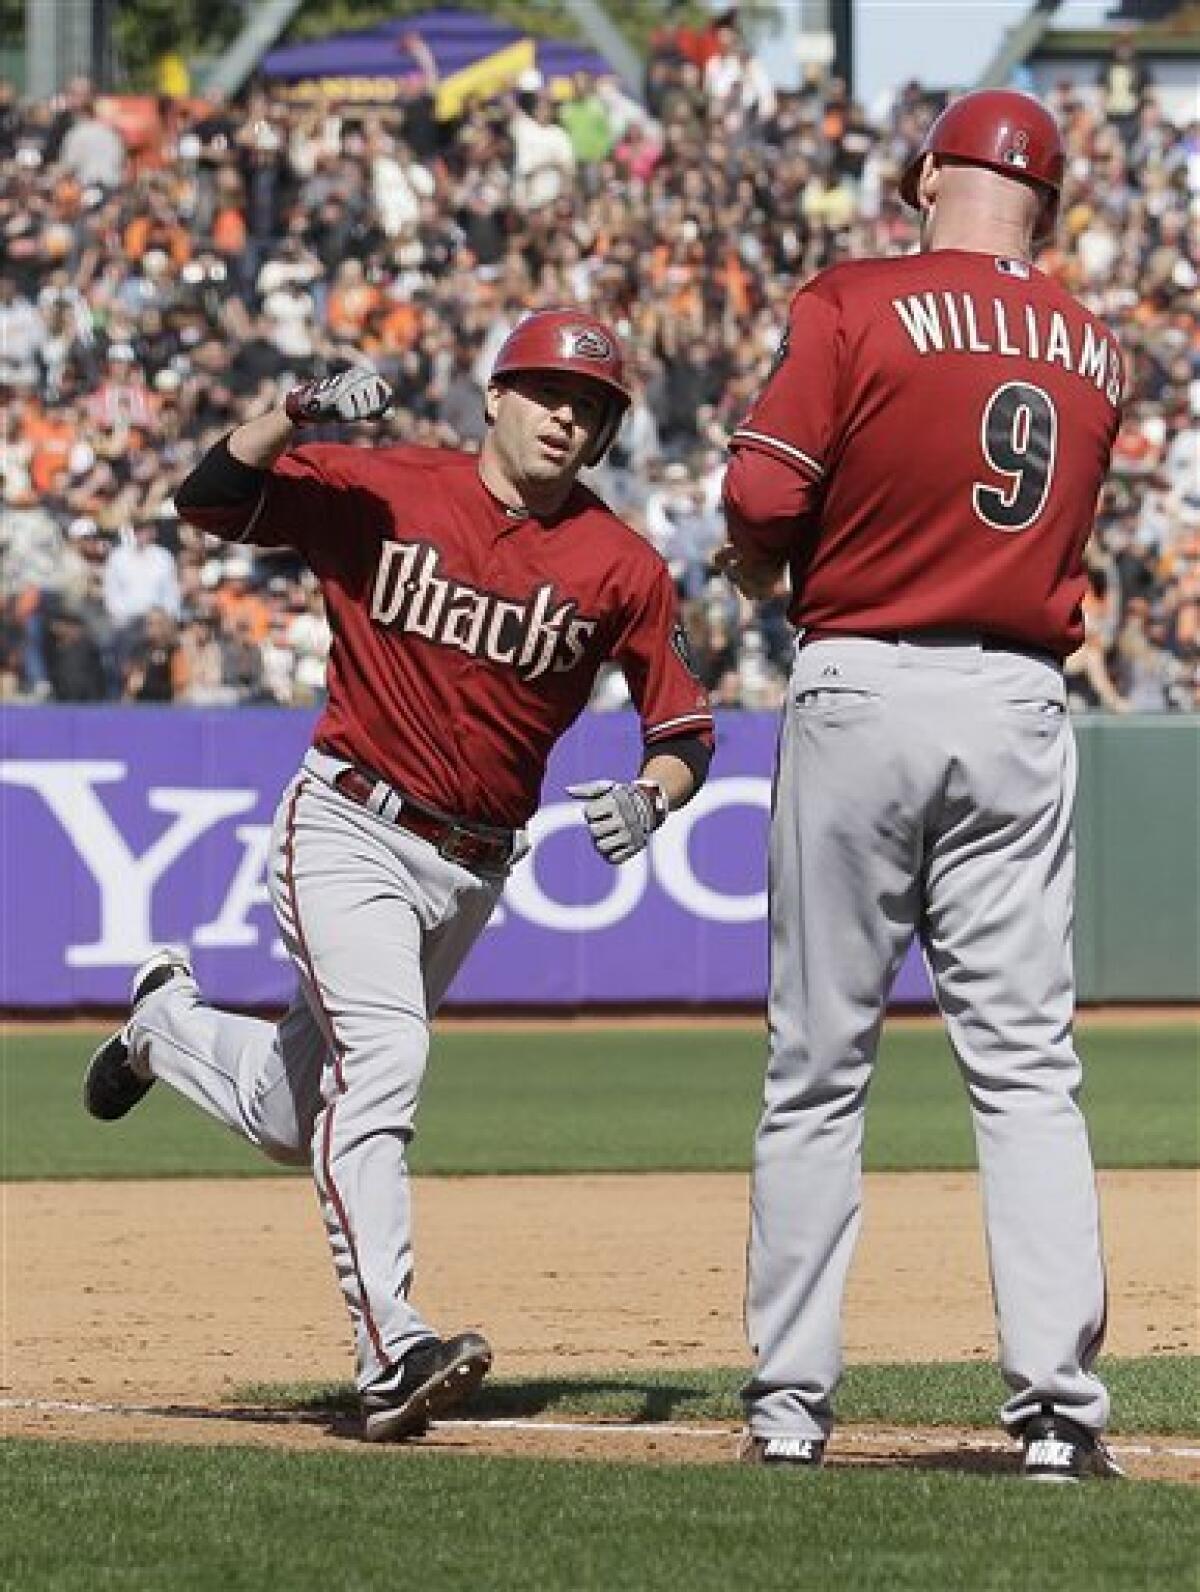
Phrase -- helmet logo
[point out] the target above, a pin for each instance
(585, 342)
(1018, 154)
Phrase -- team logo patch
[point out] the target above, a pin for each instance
(1017, 154)
(781, 353)
(585, 342)
(682, 648)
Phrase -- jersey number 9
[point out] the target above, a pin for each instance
(1019, 433)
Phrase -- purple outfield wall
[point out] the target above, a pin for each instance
(123, 828)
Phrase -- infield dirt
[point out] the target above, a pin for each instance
(158, 1299)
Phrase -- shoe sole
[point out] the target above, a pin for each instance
(101, 1062)
(442, 1392)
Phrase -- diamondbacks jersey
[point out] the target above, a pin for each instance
(467, 638)
(946, 421)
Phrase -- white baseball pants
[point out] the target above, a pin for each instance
(923, 788)
(377, 923)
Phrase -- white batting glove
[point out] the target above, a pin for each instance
(357, 394)
(621, 818)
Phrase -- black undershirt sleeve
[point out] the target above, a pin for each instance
(689, 749)
(220, 481)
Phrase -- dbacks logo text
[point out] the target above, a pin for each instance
(533, 637)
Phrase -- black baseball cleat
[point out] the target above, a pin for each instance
(435, 1376)
(111, 1088)
(1058, 1450)
(803, 1453)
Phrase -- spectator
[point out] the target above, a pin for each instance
(202, 663)
(92, 150)
(153, 667)
(242, 666)
(739, 90)
(584, 118)
(309, 638)
(399, 185)
(74, 665)
(238, 606)
(140, 575)
(33, 566)
(1123, 81)
(122, 402)
(684, 528)
(543, 159)
(458, 404)
(22, 333)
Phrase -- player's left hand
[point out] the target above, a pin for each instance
(621, 818)
(756, 578)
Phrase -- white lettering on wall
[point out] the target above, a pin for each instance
(525, 896)
(125, 880)
(539, 892)
(668, 859)
(672, 853)
(247, 891)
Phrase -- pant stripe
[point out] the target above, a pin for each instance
(335, 1199)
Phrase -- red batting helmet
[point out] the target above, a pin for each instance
(571, 341)
(1012, 133)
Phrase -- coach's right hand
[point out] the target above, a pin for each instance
(756, 578)
(355, 394)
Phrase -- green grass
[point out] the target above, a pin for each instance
(619, 1099)
(1152, 1394)
(145, 1519)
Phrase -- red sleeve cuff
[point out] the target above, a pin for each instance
(776, 448)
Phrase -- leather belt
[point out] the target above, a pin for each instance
(456, 841)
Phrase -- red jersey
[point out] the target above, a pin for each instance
(467, 638)
(945, 421)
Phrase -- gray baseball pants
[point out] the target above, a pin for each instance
(924, 788)
(377, 923)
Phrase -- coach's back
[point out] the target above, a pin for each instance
(954, 412)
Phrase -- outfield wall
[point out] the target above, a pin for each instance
(122, 828)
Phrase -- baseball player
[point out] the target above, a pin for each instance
(924, 464)
(472, 600)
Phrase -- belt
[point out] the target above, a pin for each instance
(454, 840)
(988, 642)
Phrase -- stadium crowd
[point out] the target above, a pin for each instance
(150, 299)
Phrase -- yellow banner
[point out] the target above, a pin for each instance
(484, 78)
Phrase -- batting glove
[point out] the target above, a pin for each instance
(621, 818)
(357, 394)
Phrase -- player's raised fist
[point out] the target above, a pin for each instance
(355, 394)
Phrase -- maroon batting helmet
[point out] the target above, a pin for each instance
(1012, 133)
(577, 343)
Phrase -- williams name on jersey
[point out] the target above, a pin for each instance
(954, 321)
(533, 636)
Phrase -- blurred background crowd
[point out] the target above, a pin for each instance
(151, 300)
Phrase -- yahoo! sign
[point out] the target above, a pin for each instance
(124, 828)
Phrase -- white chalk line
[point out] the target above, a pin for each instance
(846, 1435)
